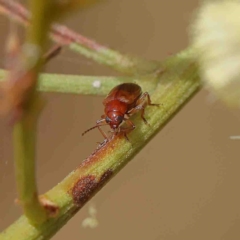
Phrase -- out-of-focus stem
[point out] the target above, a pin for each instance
(87, 47)
(27, 111)
(24, 152)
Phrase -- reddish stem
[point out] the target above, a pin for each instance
(59, 33)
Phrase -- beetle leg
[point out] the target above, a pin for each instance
(128, 129)
(99, 123)
(142, 109)
(141, 104)
(126, 137)
(143, 118)
(149, 102)
(145, 100)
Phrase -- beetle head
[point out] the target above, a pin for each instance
(114, 119)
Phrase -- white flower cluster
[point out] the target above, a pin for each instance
(216, 38)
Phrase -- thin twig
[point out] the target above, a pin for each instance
(53, 52)
(85, 85)
(85, 46)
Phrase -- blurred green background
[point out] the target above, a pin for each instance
(183, 185)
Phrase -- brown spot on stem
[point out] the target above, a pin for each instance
(83, 189)
(105, 177)
(87, 186)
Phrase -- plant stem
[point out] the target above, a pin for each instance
(176, 85)
(86, 85)
(123, 63)
(27, 110)
(87, 47)
(24, 152)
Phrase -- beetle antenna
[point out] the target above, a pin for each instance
(92, 128)
(89, 130)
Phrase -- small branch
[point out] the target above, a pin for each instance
(126, 64)
(28, 109)
(53, 52)
(178, 83)
(24, 151)
(87, 47)
(86, 85)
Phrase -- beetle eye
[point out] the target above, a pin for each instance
(119, 118)
(108, 120)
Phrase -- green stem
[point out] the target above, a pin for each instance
(123, 63)
(24, 136)
(86, 85)
(176, 85)
(27, 111)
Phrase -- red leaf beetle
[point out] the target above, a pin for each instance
(122, 102)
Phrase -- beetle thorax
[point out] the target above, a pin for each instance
(115, 111)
